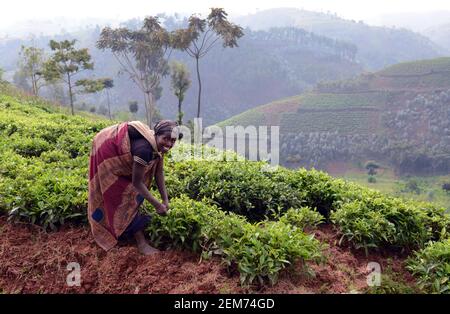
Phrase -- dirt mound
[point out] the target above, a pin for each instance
(34, 261)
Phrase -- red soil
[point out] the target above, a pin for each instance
(33, 261)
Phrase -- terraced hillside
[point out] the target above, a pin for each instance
(400, 116)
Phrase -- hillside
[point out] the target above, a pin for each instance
(266, 66)
(232, 227)
(399, 115)
(378, 47)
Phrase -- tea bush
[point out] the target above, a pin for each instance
(387, 221)
(240, 187)
(318, 190)
(44, 162)
(247, 188)
(302, 217)
(259, 251)
(432, 266)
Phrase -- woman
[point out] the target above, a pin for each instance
(123, 161)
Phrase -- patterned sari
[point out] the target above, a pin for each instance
(113, 201)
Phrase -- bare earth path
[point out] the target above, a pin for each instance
(33, 261)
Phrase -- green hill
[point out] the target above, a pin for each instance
(399, 115)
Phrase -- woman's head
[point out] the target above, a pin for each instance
(166, 134)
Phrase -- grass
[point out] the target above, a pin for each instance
(430, 188)
(250, 117)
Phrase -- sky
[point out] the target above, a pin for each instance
(15, 11)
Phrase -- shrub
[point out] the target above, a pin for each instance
(259, 251)
(246, 188)
(44, 160)
(267, 248)
(387, 221)
(29, 147)
(302, 217)
(371, 167)
(317, 189)
(432, 267)
(446, 187)
(413, 186)
(239, 187)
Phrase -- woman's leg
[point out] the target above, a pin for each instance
(135, 229)
(142, 244)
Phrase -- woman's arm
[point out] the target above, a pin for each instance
(138, 183)
(160, 182)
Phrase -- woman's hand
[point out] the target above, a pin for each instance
(166, 203)
(161, 209)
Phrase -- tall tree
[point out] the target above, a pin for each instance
(65, 63)
(202, 35)
(143, 55)
(97, 85)
(133, 107)
(20, 80)
(31, 61)
(108, 83)
(180, 81)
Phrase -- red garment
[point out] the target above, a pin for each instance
(113, 201)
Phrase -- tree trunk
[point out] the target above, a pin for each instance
(199, 88)
(179, 111)
(151, 108)
(33, 83)
(70, 94)
(146, 105)
(109, 107)
(149, 104)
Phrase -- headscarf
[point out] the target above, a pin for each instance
(170, 126)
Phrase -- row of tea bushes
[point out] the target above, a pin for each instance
(44, 161)
(365, 217)
(252, 189)
(258, 251)
(383, 221)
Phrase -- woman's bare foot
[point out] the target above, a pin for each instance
(142, 245)
(146, 249)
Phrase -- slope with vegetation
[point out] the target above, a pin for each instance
(267, 65)
(257, 221)
(400, 116)
(378, 47)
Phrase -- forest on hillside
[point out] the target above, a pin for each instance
(273, 61)
(268, 65)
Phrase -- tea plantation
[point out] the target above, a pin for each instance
(255, 219)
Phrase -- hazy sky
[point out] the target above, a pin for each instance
(14, 11)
